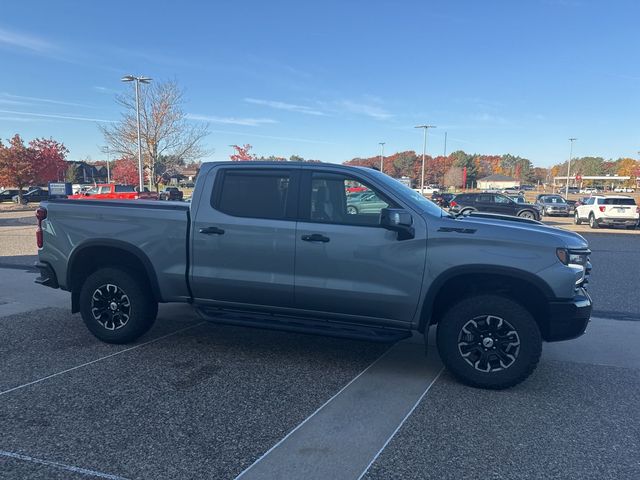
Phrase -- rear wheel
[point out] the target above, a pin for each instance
(576, 219)
(592, 221)
(489, 341)
(117, 306)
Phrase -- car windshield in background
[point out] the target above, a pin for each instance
(617, 201)
(125, 188)
(552, 199)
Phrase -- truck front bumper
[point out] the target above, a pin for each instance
(567, 319)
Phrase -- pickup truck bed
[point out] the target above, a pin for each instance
(156, 232)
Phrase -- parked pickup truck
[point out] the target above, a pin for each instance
(172, 193)
(273, 245)
(114, 191)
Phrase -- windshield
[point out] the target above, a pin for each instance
(424, 203)
(552, 199)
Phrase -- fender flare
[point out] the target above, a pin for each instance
(121, 245)
(477, 269)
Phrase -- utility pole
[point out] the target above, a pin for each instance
(105, 149)
(381, 155)
(445, 144)
(571, 140)
(424, 153)
(138, 80)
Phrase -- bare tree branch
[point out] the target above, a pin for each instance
(167, 138)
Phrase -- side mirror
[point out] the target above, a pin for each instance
(397, 220)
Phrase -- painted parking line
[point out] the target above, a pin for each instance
(61, 466)
(344, 436)
(99, 359)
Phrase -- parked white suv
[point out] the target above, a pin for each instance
(599, 210)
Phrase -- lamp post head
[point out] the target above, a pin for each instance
(128, 78)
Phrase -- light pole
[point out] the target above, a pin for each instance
(105, 149)
(381, 155)
(138, 80)
(571, 140)
(424, 153)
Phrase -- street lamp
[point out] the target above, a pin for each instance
(566, 194)
(105, 149)
(138, 80)
(381, 155)
(424, 152)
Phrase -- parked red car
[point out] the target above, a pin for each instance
(114, 191)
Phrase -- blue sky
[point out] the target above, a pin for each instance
(331, 79)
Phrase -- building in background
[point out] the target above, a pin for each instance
(498, 182)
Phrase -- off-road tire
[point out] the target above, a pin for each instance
(111, 326)
(451, 328)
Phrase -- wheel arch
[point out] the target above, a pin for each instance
(459, 282)
(89, 256)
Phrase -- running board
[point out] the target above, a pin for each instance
(304, 325)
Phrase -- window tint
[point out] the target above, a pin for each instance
(501, 199)
(337, 198)
(93, 191)
(125, 188)
(484, 198)
(253, 193)
(105, 189)
(618, 201)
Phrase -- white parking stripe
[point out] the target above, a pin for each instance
(340, 439)
(98, 359)
(400, 425)
(69, 468)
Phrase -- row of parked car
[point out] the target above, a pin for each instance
(100, 191)
(597, 210)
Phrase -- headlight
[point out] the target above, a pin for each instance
(573, 257)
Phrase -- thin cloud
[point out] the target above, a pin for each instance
(61, 117)
(368, 110)
(247, 122)
(105, 90)
(274, 137)
(24, 41)
(20, 98)
(18, 119)
(291, 107)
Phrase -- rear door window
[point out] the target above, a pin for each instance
(253, 193)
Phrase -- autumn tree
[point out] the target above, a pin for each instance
(16, 164)
(40, 162)
(125, 170)
(242, 153)
(167, 137)
(49, 158)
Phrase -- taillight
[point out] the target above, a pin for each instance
(41, 214)
(602, 208)
(452, 203)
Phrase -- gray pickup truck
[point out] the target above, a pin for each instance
(273, 245)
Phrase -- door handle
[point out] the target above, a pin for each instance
(212, 231)
(316, 237)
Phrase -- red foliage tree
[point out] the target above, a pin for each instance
(17, 167)
(125, 170)
(242, 153)
(49, 159)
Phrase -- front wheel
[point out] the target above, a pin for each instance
(527, 214)
(576, 219)
(117, 306)
(351, 210)
(489, 341)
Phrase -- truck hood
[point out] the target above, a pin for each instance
(513, 228)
